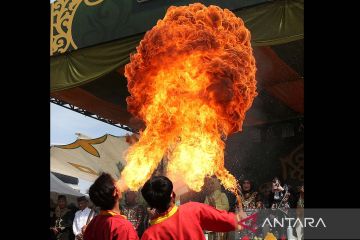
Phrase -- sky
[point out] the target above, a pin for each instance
(64, 123)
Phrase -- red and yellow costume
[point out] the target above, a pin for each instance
(110, 225)
(188, 222)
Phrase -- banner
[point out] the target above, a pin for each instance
(87, 158)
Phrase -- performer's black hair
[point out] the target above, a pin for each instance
(101, 192)
(157, 193)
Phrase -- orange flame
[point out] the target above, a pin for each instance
(191, 81)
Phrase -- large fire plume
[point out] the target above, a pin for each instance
(191, 81)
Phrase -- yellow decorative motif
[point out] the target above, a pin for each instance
(62, 15)
(86, 144)
(92, 2)
(84, 168)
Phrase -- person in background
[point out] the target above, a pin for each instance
(134, 212)
(62, 221)
(81, 217)
(248, 199)
(215, 196)
(266, 194)
(249, 196)
(94, 211)
(280, 205)
(218, 200)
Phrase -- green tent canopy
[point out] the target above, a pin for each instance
(88, 57)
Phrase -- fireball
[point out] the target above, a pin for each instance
(191, 81)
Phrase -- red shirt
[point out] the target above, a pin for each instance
(189, 221)
(107, 227)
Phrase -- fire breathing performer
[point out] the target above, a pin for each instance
(109, 224)
(187, 221)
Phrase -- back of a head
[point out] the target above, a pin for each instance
(101, 192)
(157, 192)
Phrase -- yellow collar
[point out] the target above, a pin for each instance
(111, 213)
(164, 217)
